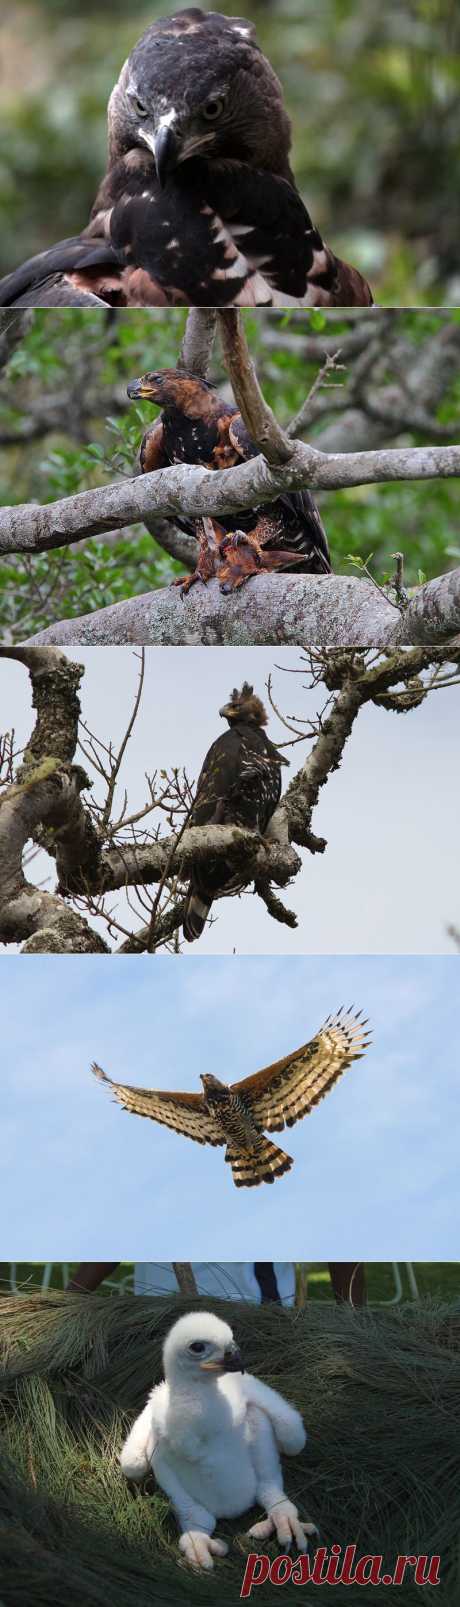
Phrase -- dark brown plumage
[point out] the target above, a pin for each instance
(199, 204)
(274, 1098)
(239, 785)
(197, 426)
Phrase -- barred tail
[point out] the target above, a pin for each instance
(196, 914)
(262, 1164)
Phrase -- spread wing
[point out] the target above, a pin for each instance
(280, 1094)
(186, 1113)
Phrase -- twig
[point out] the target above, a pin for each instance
(106, 813)
(304, 415)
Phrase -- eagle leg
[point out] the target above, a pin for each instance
(207, 557)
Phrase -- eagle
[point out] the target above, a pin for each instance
(239, 785)
(198, 426)
(212, 1434)
(199, 205)
(274, 1098)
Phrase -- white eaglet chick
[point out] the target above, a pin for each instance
(212, 1434)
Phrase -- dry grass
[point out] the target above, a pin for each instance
(380, 1392)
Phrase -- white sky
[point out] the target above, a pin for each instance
(390, 878)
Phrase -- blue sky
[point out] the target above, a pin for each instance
(376, 1165)
(390, 878)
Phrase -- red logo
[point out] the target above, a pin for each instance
(336, 1566)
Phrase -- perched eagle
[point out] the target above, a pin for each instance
(212, 1434)
(274, 1098)
(198, 205)
(239, 785)
(197, 426)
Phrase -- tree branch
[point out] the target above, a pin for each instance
(258, 417)
(143, 864)
(165, 927)
(193, 491)
(48, 798)
(197, 344)
(55, 681)
(408, 384)
(45, 804)
(332, 611)
(348, 676)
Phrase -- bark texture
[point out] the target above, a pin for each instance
(193, 491)
(330, 611)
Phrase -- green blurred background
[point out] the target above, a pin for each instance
(372, 90)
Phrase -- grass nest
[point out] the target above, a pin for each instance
(379, 1391)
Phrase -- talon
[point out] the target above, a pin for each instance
(227, 541)
(199, 1549)
(186, 581)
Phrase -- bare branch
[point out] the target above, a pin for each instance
(44, 805)
(167, 872)
(355, 684)
(307, 411)
(408, 384)
(119, 756)
(166, 926)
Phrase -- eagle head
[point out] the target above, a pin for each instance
(197, 84)
(244, 705)
(200, 1343)
(212, 1086)
(171, 388)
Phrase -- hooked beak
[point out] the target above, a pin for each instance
(138, 389)
(225, 711)
(166, 151)
(231, 1362)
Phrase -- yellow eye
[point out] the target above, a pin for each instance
(213, 108)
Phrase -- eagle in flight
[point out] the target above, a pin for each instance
(239, 785)
(197, 426)
(274, 1098)
(199, 205)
